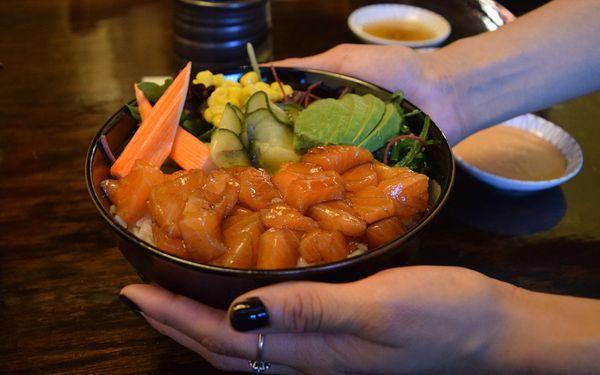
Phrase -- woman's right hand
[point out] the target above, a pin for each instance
(419, 75)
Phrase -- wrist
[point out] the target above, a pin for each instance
(546, 334)
(439, 96)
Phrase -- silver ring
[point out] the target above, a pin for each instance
(259, 366)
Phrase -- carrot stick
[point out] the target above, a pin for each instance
(188, 151)
(153, 140)
(144, 105)
(191, 153)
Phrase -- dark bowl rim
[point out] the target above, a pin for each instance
(239, 4)
(305, 271)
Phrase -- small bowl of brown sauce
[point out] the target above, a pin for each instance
(398, 24)
(526, 154)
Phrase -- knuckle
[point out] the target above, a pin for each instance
(303, 312)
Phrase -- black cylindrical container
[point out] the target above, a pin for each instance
(213, 34)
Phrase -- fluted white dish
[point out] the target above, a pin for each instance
(551, 132)
(384, 12)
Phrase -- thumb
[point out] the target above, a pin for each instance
(297, 307)
(322, 61)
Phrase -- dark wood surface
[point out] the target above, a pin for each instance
(68, 65)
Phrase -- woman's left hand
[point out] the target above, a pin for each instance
(411, 319)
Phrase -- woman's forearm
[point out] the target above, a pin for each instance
(549, 334)
(547, 56)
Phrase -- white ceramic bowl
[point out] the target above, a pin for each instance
(554, 134)
(390, 12)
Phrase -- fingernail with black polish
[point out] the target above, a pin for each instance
(249, 314)
(129, 303)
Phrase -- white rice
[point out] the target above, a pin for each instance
(361, 248)
(143, 229)
(120, 221)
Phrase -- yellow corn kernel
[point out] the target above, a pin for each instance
(218, 108)
(218, 96)
(274, 94)
(229, 83)
(208, 114)
(249, 78)
(249, 90)
(262, 86)
(204, 77)
(233, 97)
(242, 98)
(288, 90)
(218, 80)
(216, 121)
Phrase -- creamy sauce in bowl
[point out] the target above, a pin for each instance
(513, 153)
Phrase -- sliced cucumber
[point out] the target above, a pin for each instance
(271, 142)
(260, 100)
(293, 110)
(251, 122)
(230, 120)
(227, 150)
(271, 157)
(261, 118)
(238, 112)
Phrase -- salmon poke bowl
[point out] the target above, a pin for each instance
(218, 183)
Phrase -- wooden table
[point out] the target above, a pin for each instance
(68, 65)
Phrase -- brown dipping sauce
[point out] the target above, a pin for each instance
(513, 153)
(408, 31)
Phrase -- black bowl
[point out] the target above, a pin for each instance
(218, 286)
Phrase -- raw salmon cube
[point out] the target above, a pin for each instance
(281, 215)
(173, 246)
(385, 172)
(239, 255)
(167, 200)
(278, 248)
(372, 204)
(360, 177)
(241, 233)
(222, 190)
(256, 189)
(314, 188)
(200, 228)
(410, 193)
(338, 216)
(337, 158)
(238, 210)
(290, 172)
(131, 193)
(318, 246)
(384, 231)
(236, 171)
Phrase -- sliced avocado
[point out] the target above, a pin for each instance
(356, 106)
(388, 127)
(373, 114)
(318, 124)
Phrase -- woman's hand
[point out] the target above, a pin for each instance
(404, 320)
(423, 78)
